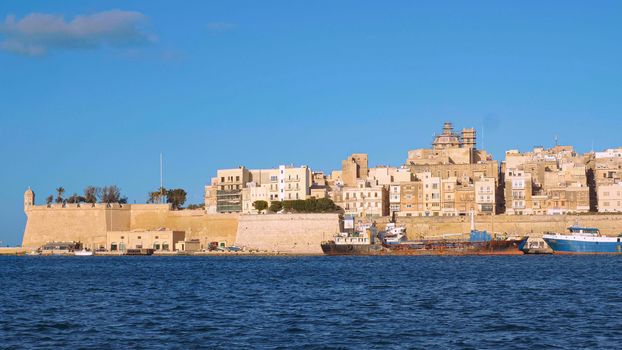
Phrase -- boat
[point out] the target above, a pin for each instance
(583, 240)
(366, 240)
(361, 241)
(536, 246)
(139, 251)
(83, 252)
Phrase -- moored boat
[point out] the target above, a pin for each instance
(139, 251)
(393, 241)
(583, 240)
(83, 252)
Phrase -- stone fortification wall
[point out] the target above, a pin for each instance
(287, 233)
(532, 225)
(196, 223)
(87, 224)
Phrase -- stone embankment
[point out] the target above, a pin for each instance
(272, 233)
(287, 233)
(531, 225)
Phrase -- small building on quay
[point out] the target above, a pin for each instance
(162, 240)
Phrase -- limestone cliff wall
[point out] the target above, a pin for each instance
(532, 225)
(287, 233)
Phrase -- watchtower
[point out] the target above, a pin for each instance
(29, 198)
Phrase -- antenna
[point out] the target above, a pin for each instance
(556, 140)
(161, 183)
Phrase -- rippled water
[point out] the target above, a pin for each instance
(311, 302)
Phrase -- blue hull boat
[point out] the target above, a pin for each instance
(583, 240)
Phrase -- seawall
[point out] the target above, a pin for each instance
(532, 225)
(287, 233)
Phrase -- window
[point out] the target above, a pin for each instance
(237, 178)
(113, 247)
(139, 237)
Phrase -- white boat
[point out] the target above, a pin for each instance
(83, 252)
(394, 234)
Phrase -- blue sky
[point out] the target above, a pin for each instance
(92, 91)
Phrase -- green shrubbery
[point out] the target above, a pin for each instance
(260, 205)
(311, 205)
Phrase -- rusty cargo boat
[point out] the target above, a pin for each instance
(368, 241)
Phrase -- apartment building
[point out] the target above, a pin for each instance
(610, 198)
(237, 189)
(366, 198)
(518, 191)
(485, 195)
(546, 181)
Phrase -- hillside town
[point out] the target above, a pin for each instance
(452, 178)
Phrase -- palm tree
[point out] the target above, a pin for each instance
(60, 191)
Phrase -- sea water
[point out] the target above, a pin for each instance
(521, 302)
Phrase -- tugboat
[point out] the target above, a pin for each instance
(583, 240)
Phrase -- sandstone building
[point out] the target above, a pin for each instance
(545, 181)
(236, 190)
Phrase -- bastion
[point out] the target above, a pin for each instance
(89, 223)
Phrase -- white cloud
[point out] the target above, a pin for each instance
(37, 33)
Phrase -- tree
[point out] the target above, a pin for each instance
(75, 198)
(50, 199)
(276, 206)
(157, 196)
(260, 205)
(195, 206)
(326, 205)
(177, 197)
(111, 194)
(60, 191)
(91, 194)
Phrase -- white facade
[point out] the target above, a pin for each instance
(609, 153)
